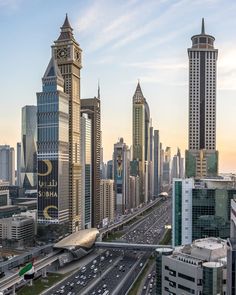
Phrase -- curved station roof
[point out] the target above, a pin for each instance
(81, 239)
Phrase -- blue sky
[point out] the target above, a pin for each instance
(122, 41)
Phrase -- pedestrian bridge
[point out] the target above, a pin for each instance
(126, 246)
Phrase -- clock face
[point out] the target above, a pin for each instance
(62, 53)
(77, 55)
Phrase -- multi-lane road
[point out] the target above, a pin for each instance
(114, 271)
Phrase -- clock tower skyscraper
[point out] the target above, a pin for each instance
(67, 53)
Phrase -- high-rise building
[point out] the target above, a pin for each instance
(110, 169)
(107, 200)
(18, 164)
(141, 142)
(157, 164)
(53, 150)
(134, 187)
(201, 156)
(167, 167)
(7, 164)
(177, 170)
(121, 176)
(67, 52)
(92, 107)
(86, 162)
(29, 147)
(201, 209)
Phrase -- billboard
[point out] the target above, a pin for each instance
(48, 190)
(119, 164)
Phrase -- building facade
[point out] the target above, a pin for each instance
(92, 107)
(29, 147)
(202, 157)
(201, 209)
(18, 164)
(108, 200)
(86, 162)
(141, 139)
(19, 230)
(7, 164)
(156, 163)
(4, 193)
(121, 176)
(198, 268)
(67, 53)
(53, 149)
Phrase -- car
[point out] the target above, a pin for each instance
(150, 286)
(149, 276)
(144, 287)
(78, 283)
(99, 291)
(83, 269)
(95, 261)
(95, 270)
(141, 265)
(92, 266)
(102, 258)
(110, 261)
(117, 276)
(104, 286)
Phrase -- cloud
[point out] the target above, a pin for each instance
(227, 68)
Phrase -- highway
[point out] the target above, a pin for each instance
(115, 270)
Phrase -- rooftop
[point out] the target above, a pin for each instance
(208, 249)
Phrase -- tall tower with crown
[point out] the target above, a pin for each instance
(67, 52)
(202, 157)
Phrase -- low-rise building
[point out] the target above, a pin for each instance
(4, 193)
(19, 230)
(198, 268)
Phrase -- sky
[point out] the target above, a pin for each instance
(122, 41)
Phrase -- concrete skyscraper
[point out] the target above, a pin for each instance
(29, 147)
(121, 176)
(91, 106)
(67, 53)
(7, 164)
(201, 156)
(141, 143)
(18, 163)
(156, 163)
(53, 151)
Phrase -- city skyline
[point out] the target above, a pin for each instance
(147, 50)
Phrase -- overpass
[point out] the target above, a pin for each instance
(11, 281)
(26, 257)
(127, 219)
(126, 246)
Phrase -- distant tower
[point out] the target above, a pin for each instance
(67, 53)
(202, 157)
(121, 176)
(53, 151)
(29, 147)
(92, 107)
(7, 164)
(18, 160)
(141, 144)
(86, 162)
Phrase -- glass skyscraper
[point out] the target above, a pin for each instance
(29, 147)
(86, 163)
(53, 149)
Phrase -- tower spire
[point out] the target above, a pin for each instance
(66, 31)
(98, 89)
(203, 26)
